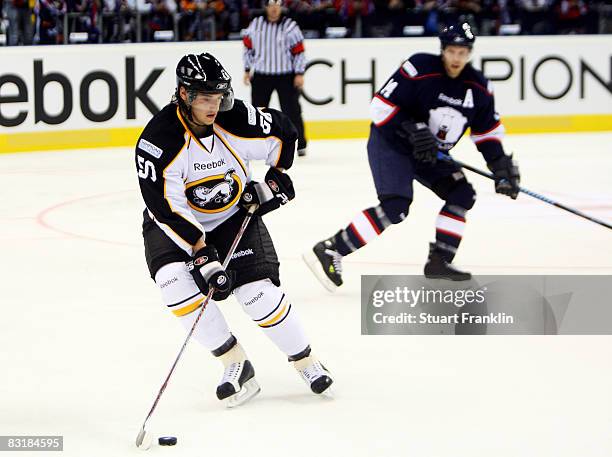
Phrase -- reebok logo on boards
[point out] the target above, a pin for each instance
(78, 94)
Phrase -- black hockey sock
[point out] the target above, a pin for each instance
(225, 347)
(364, 227)
(449, 230)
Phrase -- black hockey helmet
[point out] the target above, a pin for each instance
(458, 35)
(204, 73)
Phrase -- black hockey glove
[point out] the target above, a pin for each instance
(507, 176)
(208, 272)
(418, 138)
(276, 190)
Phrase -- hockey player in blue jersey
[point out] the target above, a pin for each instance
(423, 108)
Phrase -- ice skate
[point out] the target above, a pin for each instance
(238, 384)
(437, 267)
(314, 374)
(326, 263)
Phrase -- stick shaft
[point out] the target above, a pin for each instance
(230, 253)
(528, 192)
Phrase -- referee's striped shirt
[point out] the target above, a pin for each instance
(274, 48)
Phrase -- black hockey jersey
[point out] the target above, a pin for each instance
(191, 185)
(421, 91)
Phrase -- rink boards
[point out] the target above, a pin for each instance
(102, 95)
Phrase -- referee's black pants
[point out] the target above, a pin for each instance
(288, 96)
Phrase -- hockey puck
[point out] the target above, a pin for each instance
(167, 440)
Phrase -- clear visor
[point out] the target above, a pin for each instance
(199, 96)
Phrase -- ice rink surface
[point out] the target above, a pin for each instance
(86, 342)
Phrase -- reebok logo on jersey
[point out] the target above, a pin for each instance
(242, 253)
(208, 165)
(150, 148)
(168, 282)
(468, 102)
(254, 299)
(450, 100)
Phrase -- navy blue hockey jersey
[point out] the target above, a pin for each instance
(421, 91)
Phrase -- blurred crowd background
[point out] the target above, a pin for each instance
(26, 22)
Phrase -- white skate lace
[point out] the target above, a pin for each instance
(313, 372)
(232, 373)
(336, 260)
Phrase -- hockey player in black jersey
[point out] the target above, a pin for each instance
(192, 161)
(423, 108)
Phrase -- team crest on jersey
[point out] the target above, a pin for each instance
(214, 194)
(447, 124)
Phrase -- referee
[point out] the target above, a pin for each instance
(274, 60)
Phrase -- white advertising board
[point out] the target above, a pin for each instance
(56, 88)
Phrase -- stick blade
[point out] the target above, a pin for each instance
(143, 440)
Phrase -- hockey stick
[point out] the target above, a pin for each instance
(140, 439)
(449, 159)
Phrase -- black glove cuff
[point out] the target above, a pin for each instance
(280, 183)
(205, 255)
(503, 162)
(206, 260)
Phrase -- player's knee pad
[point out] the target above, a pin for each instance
(456, 191)
(395, 208)
(183, 298)
(264, 302)
(462, 195)
(178, 289)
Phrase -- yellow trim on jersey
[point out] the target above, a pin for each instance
(188, 308)
(189, 132)
(236, 156)
(254, 139)
(210, 178)
(333, 129)
(276, 318)
(170, 203)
